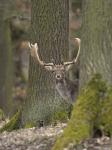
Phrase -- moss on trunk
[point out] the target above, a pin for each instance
(105, 118)
(87, 114)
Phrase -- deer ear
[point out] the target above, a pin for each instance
(49, 68)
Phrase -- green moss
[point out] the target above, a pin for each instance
(2, 115)
(29, 125)
(84, 114)
(13, 124)
(62, 113)
(105, 121)
(59, 116)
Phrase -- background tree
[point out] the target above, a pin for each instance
(49, 28)
(96, 43)
(93, 106)
(6, 58)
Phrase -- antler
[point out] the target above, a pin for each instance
(74, 60)
(34, 53)
(49, 66)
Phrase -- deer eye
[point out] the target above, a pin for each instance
(53, 71)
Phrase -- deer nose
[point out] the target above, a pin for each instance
(58, 76)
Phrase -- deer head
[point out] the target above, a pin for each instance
(58, 69)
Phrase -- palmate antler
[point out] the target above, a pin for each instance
(49, 66)
(78, 53)
(34, 53)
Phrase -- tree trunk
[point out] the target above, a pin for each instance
(93, 108)
(49, 28)
(6, 62)
(96, 43)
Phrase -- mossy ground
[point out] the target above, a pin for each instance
(92, 109)
(13, 124)
(30, 125)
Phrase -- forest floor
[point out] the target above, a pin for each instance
(43, 139)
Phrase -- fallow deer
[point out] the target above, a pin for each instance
(66, 88)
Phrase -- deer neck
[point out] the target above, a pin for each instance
(61, 81)
(66, 88)
(61, 86)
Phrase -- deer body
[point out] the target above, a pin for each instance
(66, 88)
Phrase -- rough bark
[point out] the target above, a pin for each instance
(49, 28)
(6, 61)
(93, 106)
(96, 38)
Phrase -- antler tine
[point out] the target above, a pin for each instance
(78, 40)
(34, 53)
(74, 60)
